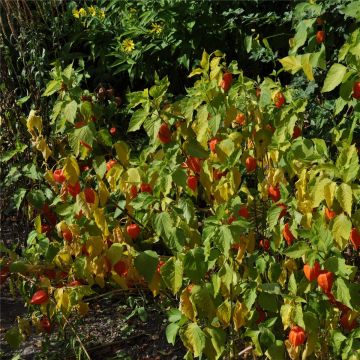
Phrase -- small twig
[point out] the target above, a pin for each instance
(77, 337)
(245, 350)
(115, 291)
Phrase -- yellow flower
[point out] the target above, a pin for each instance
(101, 14)
(82, 12)
(156, 28)
(75, 13)
(92, 10)
(128, 45)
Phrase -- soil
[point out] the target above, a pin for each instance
(118, 326)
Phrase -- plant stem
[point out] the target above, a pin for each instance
(77, 337)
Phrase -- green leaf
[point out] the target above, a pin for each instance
(137, 97)
(180, 177)
(32, 172)
(172, 274)
(171, 332)
(86, 109)
(341, 230)
(334, 77)
(99, 166)
(271, 288)
(13, 337)
(344, 197)
(174, 315)
(70, 111)
(299, 316)
(20, 148)
(273, 217)
(249, 297)
(292, 286)
(337, 340)
(311, 321)
(152, 125)
(137, 119)
(195, 265)
(214, 123)
(267, 338)
(254, 335)
(276, 351)
(22, 100)
(146, 264)
(36, 198)
(203, 302)
(223, 240)
(187, 209)
(342, 292)
(18, 266)
(85, 133)
(296, 250)
(115, 253)
(338, 267)
(163, 225)
(193, 148)
(194, 339)
(348, 163)
(104, 137)
(160, 88)
(218, 340)
(18, 197)
(352, 9)
(300, 36)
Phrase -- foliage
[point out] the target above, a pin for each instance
(238, 185)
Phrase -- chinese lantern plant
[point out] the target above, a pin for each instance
(197, 215)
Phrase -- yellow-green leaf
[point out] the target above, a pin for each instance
(34, 122)
(41, 145)
(344, 197)
(100, 220)
(186, 305)
(329, 193)
(132, 176)
(122, 152)
(334, 77)
(341, 230)
(196, 71)
(94, 245)
(223, 313)
(204, 63)
(103, 193)
(81, 205)
(318, 193)
(307, 67)
(71, 170)
(62, 300)
(291, 63)
(286, 313)
(194, 339)
(239, 315)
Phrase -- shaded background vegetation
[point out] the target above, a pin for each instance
(168, 35)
